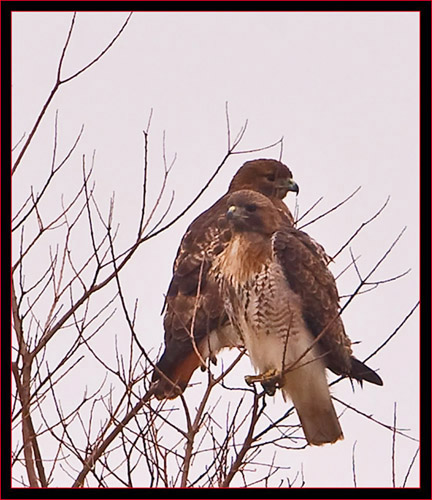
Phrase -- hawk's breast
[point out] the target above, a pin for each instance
(261, 306)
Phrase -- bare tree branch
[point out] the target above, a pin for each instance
(60, 81)
(330, 210)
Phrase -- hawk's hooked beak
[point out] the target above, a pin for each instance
(289, 185)
(231, 212)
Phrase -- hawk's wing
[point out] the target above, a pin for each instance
(307, 273)
(193, 307)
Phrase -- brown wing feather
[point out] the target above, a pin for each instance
(193, 306)
(307, 273)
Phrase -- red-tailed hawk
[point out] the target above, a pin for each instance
(196, 325)
(283, 302)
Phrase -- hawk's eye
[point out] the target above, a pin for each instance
(251, 207)
(271, 177)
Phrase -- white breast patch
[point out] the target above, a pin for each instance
(268, 315)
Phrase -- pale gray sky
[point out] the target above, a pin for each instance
(341, 88)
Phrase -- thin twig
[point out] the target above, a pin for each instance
(249, 439)
(60, 82)
(410, 467)
(362, 226)
(393, 456)
(369, 417)
(335, 207)
(353, 464)
(98, 57)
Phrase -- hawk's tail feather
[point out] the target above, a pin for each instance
(361, 372)
(308, 389)
(318, 419)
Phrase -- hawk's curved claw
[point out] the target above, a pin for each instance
(270, 380)
(250, 380)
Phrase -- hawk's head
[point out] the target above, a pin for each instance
(251, 211)
(269, 177)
